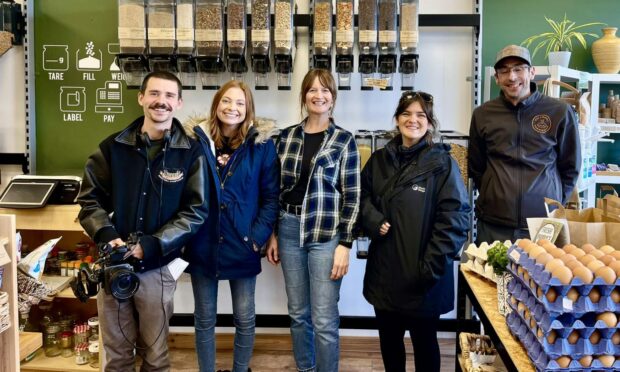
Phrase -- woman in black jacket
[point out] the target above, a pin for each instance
(414, 208)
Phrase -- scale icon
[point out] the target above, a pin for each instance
(55, 57)
(110, 98)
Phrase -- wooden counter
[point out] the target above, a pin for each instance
(483, 295)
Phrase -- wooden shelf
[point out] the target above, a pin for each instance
(29, 342)
(58, 363)
(51, 217)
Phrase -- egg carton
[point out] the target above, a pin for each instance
(564, 304)
(539, 278)
(477, 259)
(537, 354)
(561, 346)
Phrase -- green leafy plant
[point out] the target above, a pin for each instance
(561, 36)
(497, 257)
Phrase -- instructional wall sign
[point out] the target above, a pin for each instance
(80, 96)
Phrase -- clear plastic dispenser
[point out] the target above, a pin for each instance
(387, 41)
(284, 42)
(235, 38)
(409, 36)
(367, 41)
(261, 42)
(344, 42)
(322, 35)
(209, 36)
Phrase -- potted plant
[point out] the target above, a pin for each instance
(497, 257)
(558, 42)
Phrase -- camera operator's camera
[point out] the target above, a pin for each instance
(113, 269)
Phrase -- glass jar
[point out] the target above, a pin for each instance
(81, 334)
(93, 350)
(131, 26)
(82, 355)
(66, 344)
(51, 340)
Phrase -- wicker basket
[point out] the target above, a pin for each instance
(6, 39)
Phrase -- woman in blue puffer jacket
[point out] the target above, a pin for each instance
(242, 159)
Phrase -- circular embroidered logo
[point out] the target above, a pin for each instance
(541, 123)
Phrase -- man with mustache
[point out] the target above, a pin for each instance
(523, 147)
(151, 179)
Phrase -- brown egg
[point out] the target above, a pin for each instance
(539, 292)
(523, 242)
(607, 249)
(607, 259)
(615, 338)
(577, 252)
(573, 337)
(526, 314)
(532, 322)
(549, 266)
(536, 251)
(595, 295)
(609, 318)
(596, 253)
(615, 266)
(615, 254)
(543, 258)
(557, 253)
(528, 247)
(607, 360)
(539, 333)
(548, 247)
(615, 295)
(551, 337)
(584, 274)
(526, 276)
(586, 361)
(513, 300)
(595, 265)
(569, 247)
(542, 242)
(586, 259)
(520, 271)
(567, 258)
(595, 337)
(563, 361)
(607, 274)
(572, 294)
(551, 295)
(574, 264)
(588, 247)
(563, 273)
(521, 307)
(533, 284)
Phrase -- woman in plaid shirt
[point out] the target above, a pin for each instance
(319, 200)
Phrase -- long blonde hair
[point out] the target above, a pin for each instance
(214, 123)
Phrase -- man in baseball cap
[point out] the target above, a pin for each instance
(523, 147)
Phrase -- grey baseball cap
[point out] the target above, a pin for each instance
(513, 51)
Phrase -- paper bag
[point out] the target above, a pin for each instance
(591, 225)
(611, 204)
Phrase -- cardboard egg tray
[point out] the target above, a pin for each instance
(563, 326)
(542, 360)
(543, 279)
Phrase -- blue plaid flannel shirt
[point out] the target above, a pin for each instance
(332, 198)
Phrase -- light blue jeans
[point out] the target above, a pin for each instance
(312, 297)
(205, 313)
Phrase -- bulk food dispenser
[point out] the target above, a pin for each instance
(363, 139)
(161, 34)
(322, 35)
(283, 39)
(367, 41)
(260, 42)
(408, 66)
(132, 41)
(185, 43)
(387, 41)
(209, 37)
(344, 43)
(235, 38)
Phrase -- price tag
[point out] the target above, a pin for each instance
(567, 304)
(515, 255)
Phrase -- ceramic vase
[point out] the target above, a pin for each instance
(559, 58)
(606, 52)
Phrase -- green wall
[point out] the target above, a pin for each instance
(64, 135)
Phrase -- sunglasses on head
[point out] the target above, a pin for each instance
(411, 95)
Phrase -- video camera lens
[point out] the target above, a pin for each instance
(124, 283)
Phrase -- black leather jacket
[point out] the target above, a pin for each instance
(164, 198)
(410, 269)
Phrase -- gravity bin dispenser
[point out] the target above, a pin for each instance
(322, 35)
(367, 42)
(160, 18)
(409, 36)
(209, 37)
(132, 41)
(344, 43)
(260, 42)
(283, 40)
(387, 42)
(235, 38)
(185, 66)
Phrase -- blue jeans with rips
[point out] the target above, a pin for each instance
(312, 297)
(205, 313)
